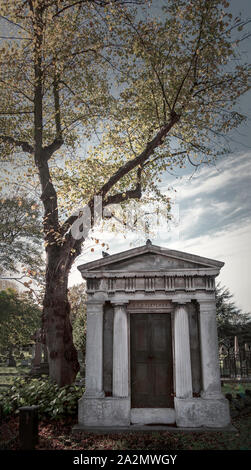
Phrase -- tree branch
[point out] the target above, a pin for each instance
(26, 147)
(57, 106)
(141, 158)
(129, 194)
(48, 151)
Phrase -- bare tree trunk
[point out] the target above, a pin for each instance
(62, 355)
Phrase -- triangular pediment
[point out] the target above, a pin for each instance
(150, 258)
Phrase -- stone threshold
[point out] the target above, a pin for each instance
(78, 428)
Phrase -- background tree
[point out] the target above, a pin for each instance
(231, 321)
(20, 234)
(77, 299)
(156, 92)
(20, 317)
(21, 243)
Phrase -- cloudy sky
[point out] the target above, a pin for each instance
(212, 214)
(212, 209)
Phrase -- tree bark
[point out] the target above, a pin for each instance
(62, 355)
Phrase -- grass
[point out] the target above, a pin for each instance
(234, 388)
(6, 380)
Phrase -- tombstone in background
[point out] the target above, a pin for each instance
(152, 346)
(11, 360)
(237, 358)
(39, 366)
(24, 362)
(44, 365)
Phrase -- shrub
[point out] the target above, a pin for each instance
(54, 402)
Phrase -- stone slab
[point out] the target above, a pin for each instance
(197, 412)
(146, 429)
(107, 411)
(152, 415)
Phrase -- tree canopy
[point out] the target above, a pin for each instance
(20, 317)
(101, 98)
(20, 234)
(231, 321)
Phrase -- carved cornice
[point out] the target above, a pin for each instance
(149, 283)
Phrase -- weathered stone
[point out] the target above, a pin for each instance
(152, 280)
(196, 412)
(108, 411)
(28, 427)
(153, 416)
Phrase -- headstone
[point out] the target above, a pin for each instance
(237, 357)
(37, 351)
(24, 363)
(40, 363)
(11, 361)
(236, 346)
(28, 427)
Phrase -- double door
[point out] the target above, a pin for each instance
(151, 361)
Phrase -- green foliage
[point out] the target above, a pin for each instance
(20, 317)
(77, 299)
(20, 234)
(54, 402)
(231, 321)
(79, 330)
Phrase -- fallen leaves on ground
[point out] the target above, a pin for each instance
(58, 435)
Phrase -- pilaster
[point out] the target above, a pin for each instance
(120, 351)
(183, 373)
(94, 350)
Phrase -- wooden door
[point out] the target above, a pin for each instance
(151, 361)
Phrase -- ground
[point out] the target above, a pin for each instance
(57, 435)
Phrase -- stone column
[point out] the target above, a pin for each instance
(94, 350)
(209, 350)
(183, 374)
(120, 386)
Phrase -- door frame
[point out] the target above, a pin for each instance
(143, 416)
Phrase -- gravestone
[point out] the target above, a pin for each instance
(40, 360)
(11, 360)
(28, 427)
(24, 363)
(151, 345)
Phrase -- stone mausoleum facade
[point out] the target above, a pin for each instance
(152, 347)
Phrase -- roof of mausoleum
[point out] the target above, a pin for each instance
(150, 258)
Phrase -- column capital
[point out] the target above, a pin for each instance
(95, 302)
(206, 301)
(120, 302)
(181, 302)
(94, 306)
(207, 305)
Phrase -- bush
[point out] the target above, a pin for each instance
(54, 402)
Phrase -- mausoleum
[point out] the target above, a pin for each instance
(152, 347)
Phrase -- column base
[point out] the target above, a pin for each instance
(197, 412)
(107, 411)
(94, 394)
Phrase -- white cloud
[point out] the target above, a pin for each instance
(215, 222)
